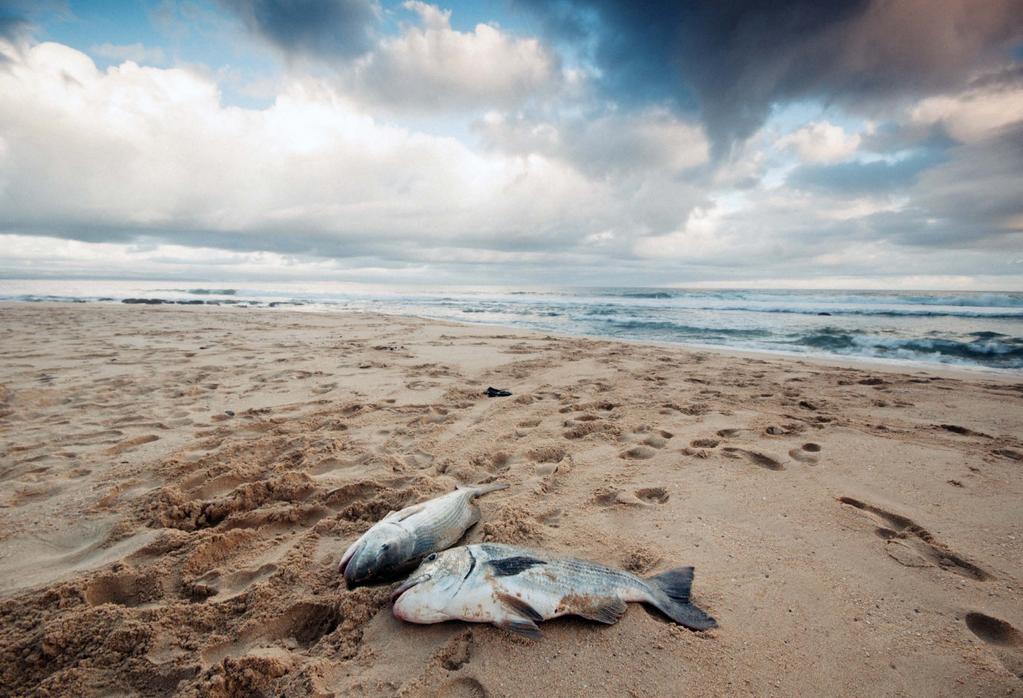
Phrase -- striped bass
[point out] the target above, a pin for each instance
(402, 538)
(514, 588)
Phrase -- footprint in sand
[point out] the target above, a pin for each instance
(638, 453)
(807, 453)
(647, 496)
(304, 624)
(658, 439)
(653, 495)
(754, 457)
(652, 441)
(463, 687)
(494, 462)
(1005, 640)
(912, 545)
(961, 431)
(549, 453)
(125, 589)
(457, 652)
(704, 443)
(1008, 453)
(611, 496)
(227, 586)
(128, 444)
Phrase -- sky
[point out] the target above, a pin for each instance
(743, 143)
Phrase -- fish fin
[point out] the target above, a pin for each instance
(671, 591)
(522, 627)
(480, 490)
(608, 612)
(676, 583)
(510, 566)
(397, 516)
(522, 617)
(519, 606)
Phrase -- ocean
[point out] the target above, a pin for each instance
(960, 328)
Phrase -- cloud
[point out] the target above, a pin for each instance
(972, 200)
(821, 141)
(736, 59)
(136, 52)
(432, 66)
(975, 114)
(637, 141)
(141, 151)
(145, 170)
(317, 28)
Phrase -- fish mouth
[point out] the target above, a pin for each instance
(406, 585)
(347, 561)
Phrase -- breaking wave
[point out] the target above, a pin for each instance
(987, 348)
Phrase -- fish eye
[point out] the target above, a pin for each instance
(431, 557)
(385, 546)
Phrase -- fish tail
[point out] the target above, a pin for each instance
(479, 490)
(671, 597)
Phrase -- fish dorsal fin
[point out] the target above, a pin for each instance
(480, 490)
(509, 566)
(608, 611)
(522, 618)
(396, 516)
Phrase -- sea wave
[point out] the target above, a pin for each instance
(987, 348)
(643, 327)
(870, 312)
(855, 298)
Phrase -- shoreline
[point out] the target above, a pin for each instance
(179, 485)
(823, 359)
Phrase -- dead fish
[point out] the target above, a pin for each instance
(402, 538)
(514, 588)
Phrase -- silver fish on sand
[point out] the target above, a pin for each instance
(514, 588)
(402, 538)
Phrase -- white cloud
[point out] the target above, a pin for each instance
(433, 66)
(648, 140)
(136, 52)
(821, 142)
(972, 115)
(700, 238)
(131, 150)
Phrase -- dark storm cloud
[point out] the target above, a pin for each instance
(975, 196)
(736, 58)
(318, 28)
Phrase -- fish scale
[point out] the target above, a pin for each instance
(582, 577)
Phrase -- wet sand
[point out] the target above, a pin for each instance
(180, 482)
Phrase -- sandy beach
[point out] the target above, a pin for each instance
(179, 484)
